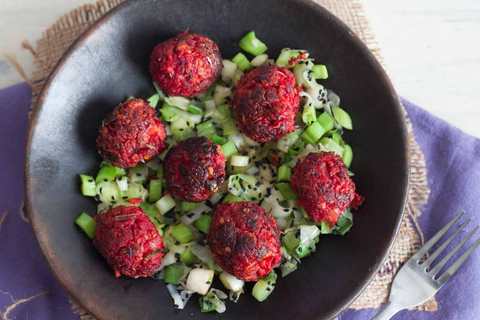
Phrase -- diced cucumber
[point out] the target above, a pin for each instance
(241, 61)
(203, 223)
(319, 71)
(212, 302)
(230, 198)
(186, 206)
(229, 149)
(291, 241)
(289, 55)
(284, 173)
(206, 129)
(326, 121)
(289, 140)
(108, 192)
(88, 186)
(331, 146)
(109, 173)
(181, 129)
(286, 190)
(288, 267)
(309, 115)
(313, 133)
(136, 190)
(155, 190)
(228, 70)
(138, 174)
(264, 287)
(87, 224)
(181, 233)
(174, 273)
(187, 257)
(347, 155)
(259, 60)
(251, 44)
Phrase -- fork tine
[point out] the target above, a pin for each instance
(454, 267)
(441, 248)
(430, 243)
(445, 259)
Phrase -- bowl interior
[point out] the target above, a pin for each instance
(110, 63)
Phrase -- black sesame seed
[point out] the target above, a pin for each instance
(105, 180)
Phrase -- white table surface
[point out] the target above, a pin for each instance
(431, 49)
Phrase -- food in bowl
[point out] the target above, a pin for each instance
(233, 170)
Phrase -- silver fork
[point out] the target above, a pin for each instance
(419, 279)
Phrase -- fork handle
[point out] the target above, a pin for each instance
(388, 311)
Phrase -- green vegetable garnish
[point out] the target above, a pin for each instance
(264, 287)
(241, 61)
(173, 273)
(319, 71)
(342, 117)
(88, 186)
(251, 44)
(181, 233)
(87, 224)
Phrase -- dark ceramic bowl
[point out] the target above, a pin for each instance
(110, 62)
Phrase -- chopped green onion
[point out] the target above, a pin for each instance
(301, 76)
(211, 302)
(332, 146)
(264, 287)
(87, 224)
(181, 233)
(259, 60)
(309, 115)
(296, 148)
(199, 280)
(186, 206)
(319, 71)
(241, 61)
(308, 239)
(173, 273)
(286, 191)
(218, 139)
(206, 129)
(347, 155)
(179, 102)
(88, 187)
(136, 191)
(165, 204)
(313, 132)
(239, 161)
(155, 190)
(229, 149)
(342, 117)
(188, 257)
(109, 173)
(284, 173)
(251, 44)
(203, 223)
(193, 109)
(138, 174)
(228, 70)
(326, 121)
(153, 100)
(150, 210)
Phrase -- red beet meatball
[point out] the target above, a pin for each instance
(244, 240)
(129, 241)
(131, 134)
(185, 65)
(194, 169)
(323, 186)
(265, 103)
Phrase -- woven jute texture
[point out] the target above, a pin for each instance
(56, 40)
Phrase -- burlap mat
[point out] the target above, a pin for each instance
(55, 41)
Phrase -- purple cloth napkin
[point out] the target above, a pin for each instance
(454, 179)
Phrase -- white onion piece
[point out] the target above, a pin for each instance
(228, 70)
(259, 60)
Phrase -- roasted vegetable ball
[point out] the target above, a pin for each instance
(129, 241)
(244, 240)
(131, 134)
(185, 65)
(265, 103)
(323, 187)
(194, 169)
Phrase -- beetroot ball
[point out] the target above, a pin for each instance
(129, 241)
(324, 187)
(185, 65)
(131, 134)
(194, 169)
(265, 103)
(244, 240)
